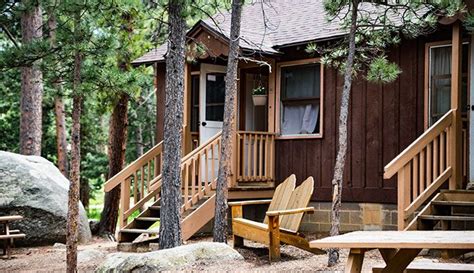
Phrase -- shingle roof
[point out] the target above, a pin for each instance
(270, 24)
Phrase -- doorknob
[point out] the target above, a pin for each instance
(204, 123)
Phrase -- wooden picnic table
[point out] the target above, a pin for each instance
(398, 248)
(8, 235)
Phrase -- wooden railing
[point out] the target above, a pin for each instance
(141, 180)
(138, 182)
(199, 171)
(422, 168)
(255, 156)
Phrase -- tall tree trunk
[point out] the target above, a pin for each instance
(228, 128)
(61, 138)
(139, 141)
(31, 83)
(117, 145)
(61, 135)
(170, 224)
(73, 202)
(337, 181)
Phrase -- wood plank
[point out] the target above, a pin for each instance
(414, 181)
(432, 267)
(420, 143)
(10, 218)
(456, 103)
(299, 198)
(423, 197)
(399, 239)
(274, 237)
(198, 218)
(354, 261)
(401, 260)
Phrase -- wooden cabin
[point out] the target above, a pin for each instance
(407, 140)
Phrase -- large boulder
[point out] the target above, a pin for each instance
(33, 187)
(169, 259)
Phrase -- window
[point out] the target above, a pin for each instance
(215, 96)
(300, 100)
(195, 103)
(439, 83)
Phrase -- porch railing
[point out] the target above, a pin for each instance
(422, 168)
(255, 156)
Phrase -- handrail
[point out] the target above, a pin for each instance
(404, 157)
(131, 168)
(423, 167)
(198, 175)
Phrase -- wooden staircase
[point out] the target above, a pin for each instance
(424, 169)
(448, 210)
(140, 184)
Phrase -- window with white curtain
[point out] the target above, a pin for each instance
(300, 96)
(440, 81)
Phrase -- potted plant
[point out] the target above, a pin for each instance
(259, 96)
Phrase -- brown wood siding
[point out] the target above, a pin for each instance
(383, 120)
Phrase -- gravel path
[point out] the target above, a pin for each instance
(53, 259)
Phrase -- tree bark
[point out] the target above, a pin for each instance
(170, 224)
(139, 141)
(73, 202)
(61, 135)
(337, 182)
(117, 145)
(61, 138)
(228, 128)
(31, 83)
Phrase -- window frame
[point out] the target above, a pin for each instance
(427, 74)
(278, 102)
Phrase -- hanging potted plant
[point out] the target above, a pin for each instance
(259, 96)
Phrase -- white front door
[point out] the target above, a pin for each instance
(211, 99)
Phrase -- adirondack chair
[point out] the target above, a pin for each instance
(282, 219)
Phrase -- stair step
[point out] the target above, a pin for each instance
(148, 219)
(453, 203)
(154, 207)
(445, 218)
(140, 231)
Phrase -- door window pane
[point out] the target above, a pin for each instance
(215, 96)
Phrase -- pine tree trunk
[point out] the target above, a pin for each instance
(337, 182)
(170, 224)
(228, 128)
(118, 131)
(139, 141)
(61, 138)
(117, 145)
(31, 83)
(73, 202)
(59, 111)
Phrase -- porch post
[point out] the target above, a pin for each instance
(233, 145)
(187, 141)
(271, 96)
(456, 132)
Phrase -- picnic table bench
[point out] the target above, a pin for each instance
(7, 235)
(398, 248)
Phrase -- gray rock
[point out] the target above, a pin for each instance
(59, 246)
(169, 259)
(87, 255)
(33, 187)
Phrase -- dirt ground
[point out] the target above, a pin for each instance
(53, 259)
